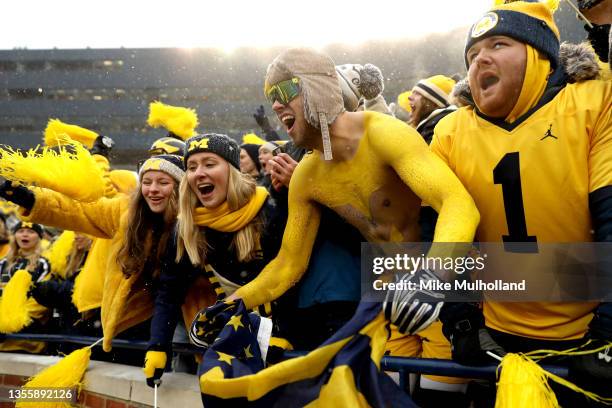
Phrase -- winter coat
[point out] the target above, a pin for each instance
(177, 278)
(106, 219)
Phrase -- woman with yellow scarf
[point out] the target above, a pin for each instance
(227, 230)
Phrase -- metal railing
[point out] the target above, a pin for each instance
(403, 365)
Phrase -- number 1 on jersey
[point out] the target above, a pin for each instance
(508, 174)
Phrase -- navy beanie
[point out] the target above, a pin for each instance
(219, 144)
(527, 21)
(253, 152)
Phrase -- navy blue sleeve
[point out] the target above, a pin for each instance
(600, 206)
(174, 280)
(54, 293)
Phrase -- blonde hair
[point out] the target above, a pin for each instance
(240, 189)
(15, 252)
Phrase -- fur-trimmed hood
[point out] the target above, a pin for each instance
(578, 61)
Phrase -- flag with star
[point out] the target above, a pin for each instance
(343, 372)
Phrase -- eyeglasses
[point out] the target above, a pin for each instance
(284, 91)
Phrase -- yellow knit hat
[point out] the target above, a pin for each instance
(436, 88)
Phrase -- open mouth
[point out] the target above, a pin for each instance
(488, 81)
(206, 188)
(156, 200)
(288, 121)
(25, 241)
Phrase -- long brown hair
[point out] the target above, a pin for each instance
(4, 236)
(241, 188)
(75, 258)
(143, 240)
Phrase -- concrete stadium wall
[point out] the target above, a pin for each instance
(106, 385)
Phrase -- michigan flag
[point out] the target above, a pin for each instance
(343, 372)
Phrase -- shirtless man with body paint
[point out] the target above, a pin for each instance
(379, 172)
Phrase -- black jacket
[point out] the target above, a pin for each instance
(42, 269)
(176, 278)
(426, 127)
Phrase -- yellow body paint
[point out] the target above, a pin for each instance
(378, 190)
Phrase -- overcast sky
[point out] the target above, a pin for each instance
(225, 24)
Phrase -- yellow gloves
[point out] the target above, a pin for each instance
(155, 362)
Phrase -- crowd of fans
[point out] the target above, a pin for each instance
(279, 224)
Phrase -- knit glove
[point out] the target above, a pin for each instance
(102, 146)
(209, 322)
(263, 122)
(413, 309)
(155, 363)
(261, 119)
(18, 194)
(463, 325)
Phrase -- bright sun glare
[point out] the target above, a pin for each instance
(228, 24)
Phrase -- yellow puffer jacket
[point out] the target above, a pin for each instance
(106, 219)
(124, 181)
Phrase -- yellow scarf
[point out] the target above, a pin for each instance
(537, 71)
(225, 220)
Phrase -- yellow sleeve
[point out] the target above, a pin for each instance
(441, 144)
(401, 147)
(103, 163)
(100, 218)
(292, 260)
(124, 181)
(600, 154)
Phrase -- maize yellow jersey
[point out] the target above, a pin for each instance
(531, 183)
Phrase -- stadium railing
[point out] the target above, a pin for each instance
(403, 365)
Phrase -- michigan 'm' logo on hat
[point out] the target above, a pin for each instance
(151, 165)
(486, 23)
(198, 144)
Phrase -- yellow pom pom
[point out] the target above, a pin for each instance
(56, 132)
(14, 315)
(252, 138)
(67, 373)
(74, 174)
(523, 383)
(180, 121)
(59, 252)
